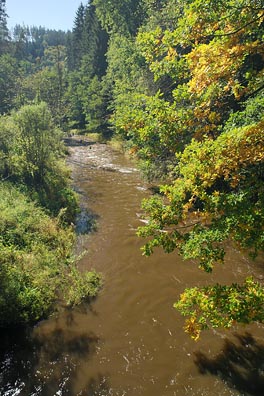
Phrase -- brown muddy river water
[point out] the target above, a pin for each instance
(130, 341)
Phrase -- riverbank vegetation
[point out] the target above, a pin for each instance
(37, 208)
(180, 83)
(37, 263)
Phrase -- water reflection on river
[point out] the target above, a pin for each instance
(130, 341)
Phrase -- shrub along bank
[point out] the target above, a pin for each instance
(37, 266)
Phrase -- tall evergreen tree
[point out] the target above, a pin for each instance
(87, 63)
(77, 38)
(21, 37)
(3, 27)
(95, 41)
(120, 16)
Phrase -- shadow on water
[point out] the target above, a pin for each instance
(43, 364)
(98, 386)
(86, 222)
(240, 365)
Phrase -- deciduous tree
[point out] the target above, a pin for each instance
(215, 57)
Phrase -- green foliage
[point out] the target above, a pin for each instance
(81, 286)
(151, 126)
(74, 97)
(8, 135)
(251, 112)
(126, 66)
(94, 42)
(94, 106)
(214, 53)
(76, 53)
(37, 266)
(31, 152)
(8, 83)
(215, 306)
(212, 56)
(55, 193)
(120, 16)
(38, 141)
(3, 27)
(139, 115)
(29, 42)
(218, 196)
(48, 84)
(87, 65)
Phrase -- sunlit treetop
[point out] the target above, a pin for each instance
(216, 52)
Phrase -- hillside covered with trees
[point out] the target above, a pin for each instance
(180, 84)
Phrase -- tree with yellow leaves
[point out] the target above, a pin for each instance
(215, 56)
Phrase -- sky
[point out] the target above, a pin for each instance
(52, 14)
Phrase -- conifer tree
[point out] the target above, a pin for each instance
(3, 27)
(94, 41)
(87, 63)
(120, 16)
(77, 36)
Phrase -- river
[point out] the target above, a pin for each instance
(130, 340)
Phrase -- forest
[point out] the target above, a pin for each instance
(180, 85)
